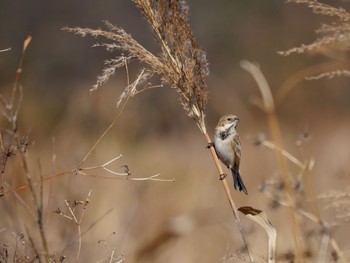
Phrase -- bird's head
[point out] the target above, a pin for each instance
(227, 122)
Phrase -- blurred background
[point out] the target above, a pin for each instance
(154, 135)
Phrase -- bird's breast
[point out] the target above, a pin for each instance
(224, 150)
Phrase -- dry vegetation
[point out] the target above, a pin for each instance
(99, 209)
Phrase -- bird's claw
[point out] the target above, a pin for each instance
(210, 144)
(222, 176)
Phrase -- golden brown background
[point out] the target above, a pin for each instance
(154, 135)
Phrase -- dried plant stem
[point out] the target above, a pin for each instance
(13, 107)
(25, 205)
(112, 256)
(79, 244)
(286, 154)
(22, 187)
(281, 94)
(311, 192)
(327, 237)
(4, 50)
(92, 225)
(275, 130)
(50, 187)
(77, 221)
(33, 245)
(13, 111)
(229, 197)
(116, 118)
(37, 206)
(306, 166)
(118, 114)
(316, 219)
(80, 170)
(276, 135)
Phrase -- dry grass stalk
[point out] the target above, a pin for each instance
(334, 44)
(19, 144)
(291, 185)
(5, 50)
(269, 107)
(75, 218)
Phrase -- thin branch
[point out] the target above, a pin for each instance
(5, 50)
(127, 177)
(285, 153)
(103, 165)
(27, 186)
(71, 211)
(87, 201)
(115, 120)
(33, 245)
(266, 94)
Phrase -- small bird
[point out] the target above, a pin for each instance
(228, 148)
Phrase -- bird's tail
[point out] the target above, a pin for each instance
(238, 182)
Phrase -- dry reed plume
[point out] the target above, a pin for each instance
(333, 40)
(180, 64)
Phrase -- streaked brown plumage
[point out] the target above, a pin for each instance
(228, 147)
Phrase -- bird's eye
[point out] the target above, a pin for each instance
(229, 119)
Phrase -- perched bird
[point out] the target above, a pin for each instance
(228, 147)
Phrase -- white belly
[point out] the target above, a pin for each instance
(224, 151)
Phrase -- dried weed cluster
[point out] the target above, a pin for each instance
(333, 41)
(181, 63)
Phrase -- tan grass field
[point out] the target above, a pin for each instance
(148, 190)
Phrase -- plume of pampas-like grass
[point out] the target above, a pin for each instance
(180, 64)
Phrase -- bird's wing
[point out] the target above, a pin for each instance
(236, 146)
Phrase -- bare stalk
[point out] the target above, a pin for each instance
(37, 206)
(4, 50)
(275, 130)
(115, 120)
(11, 110)
(229, 197)
(73, 217)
